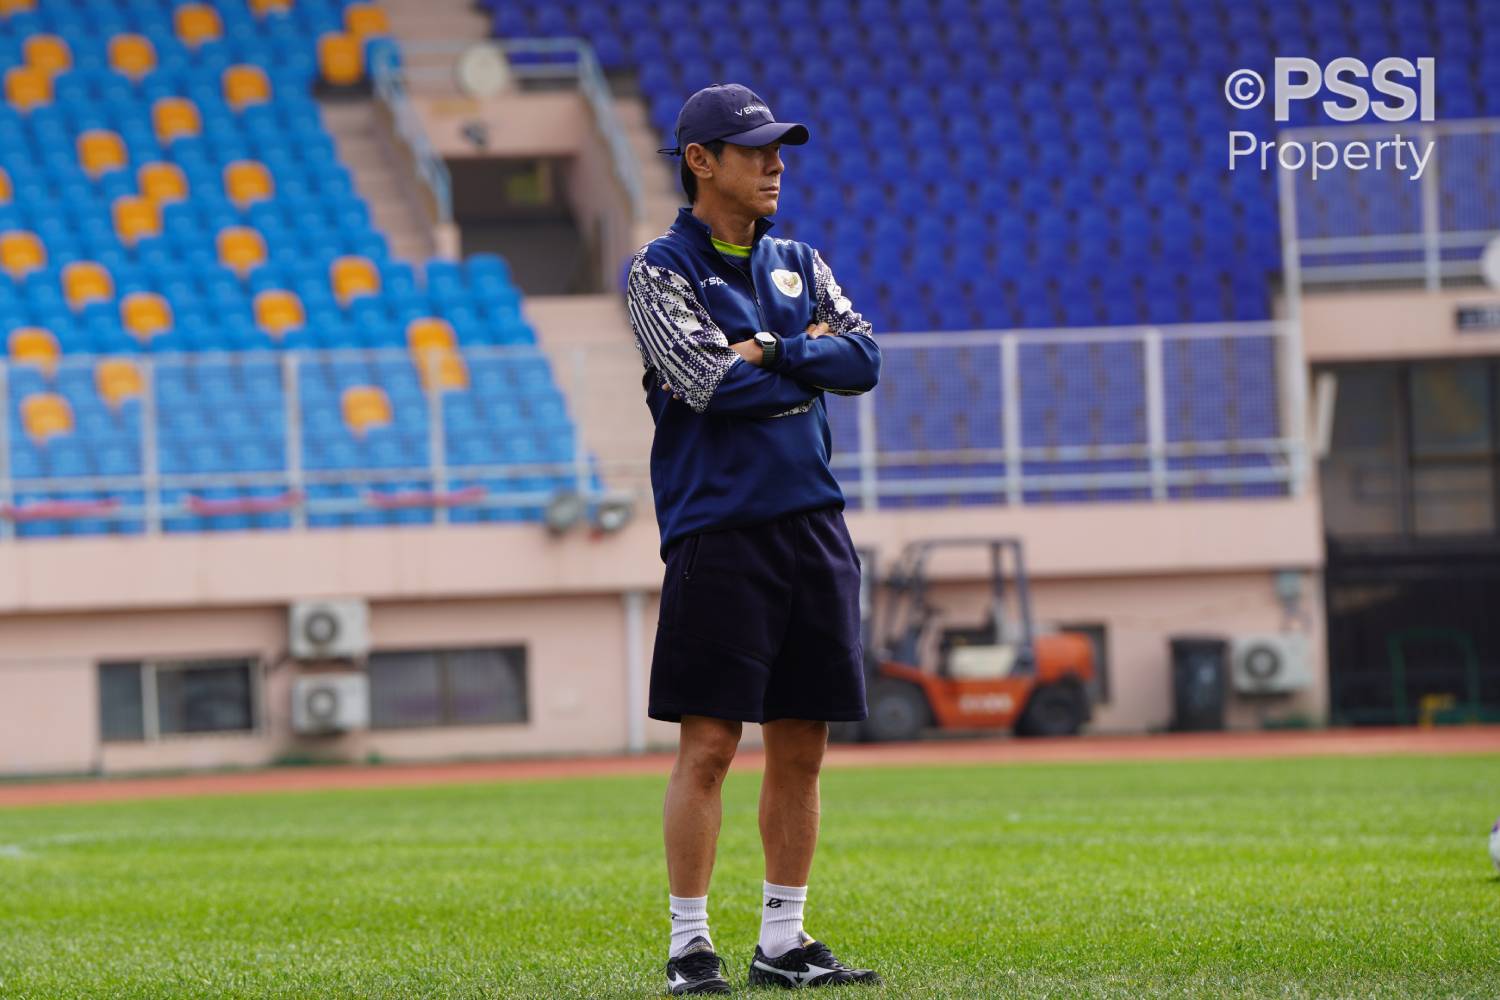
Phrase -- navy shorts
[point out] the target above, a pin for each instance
(761, 623)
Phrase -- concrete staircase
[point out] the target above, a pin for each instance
(380, 177)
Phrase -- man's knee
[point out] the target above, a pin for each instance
(706, 748)
(796, 745)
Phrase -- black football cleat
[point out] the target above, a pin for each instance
(696, 970)
(810, 965)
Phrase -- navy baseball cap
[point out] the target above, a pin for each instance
(735, 114)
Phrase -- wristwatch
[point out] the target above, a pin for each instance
(770, 348)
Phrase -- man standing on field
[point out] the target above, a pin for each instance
(741, 334)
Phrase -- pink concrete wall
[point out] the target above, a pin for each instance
(1383, 325)
(1145, 570)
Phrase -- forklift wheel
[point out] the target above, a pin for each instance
(898, 711)
(1053, 710)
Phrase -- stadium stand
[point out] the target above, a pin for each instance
(168, 189)
(992, 164)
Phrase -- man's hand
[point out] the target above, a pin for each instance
(819, 330)
(749, 350)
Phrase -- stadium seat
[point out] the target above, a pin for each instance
(241, 249)
(27, 87)
(31, 345)
(135, 218)
(278, 312)
(442, 370)
(100, 151)
(85, 282)
(352, 277)
(145, 315)
(246, 85)
(341, 59)
(429, 333)
(47, 53)
(8, 7)
(196, 24)
(247, 182)
(162, 183)
(364, 20)
(365, 407)
(7, 191)
(117, 380)
(174, 118)
(132, 55)
(263, 7)
(21, 253)
(45, 415)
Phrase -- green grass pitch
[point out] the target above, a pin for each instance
(1284, 878)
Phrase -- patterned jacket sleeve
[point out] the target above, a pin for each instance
(675, 335)
(848, 363)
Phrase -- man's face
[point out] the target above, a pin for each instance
(751, 176)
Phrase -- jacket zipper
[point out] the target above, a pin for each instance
(749, 275)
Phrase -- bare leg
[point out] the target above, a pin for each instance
(693, 810)
(789, 806)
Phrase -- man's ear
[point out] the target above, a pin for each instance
(698, 160)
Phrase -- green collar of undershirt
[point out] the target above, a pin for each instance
(732, 249)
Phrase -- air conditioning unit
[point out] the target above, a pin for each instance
(329, 630)
(1270, 664)
(331, 703)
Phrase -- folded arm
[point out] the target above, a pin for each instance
(847, 360)
(677, 337)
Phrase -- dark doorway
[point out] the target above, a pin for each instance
(1410, 516)
(519, 209)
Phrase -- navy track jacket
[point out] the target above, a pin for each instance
(735, 443)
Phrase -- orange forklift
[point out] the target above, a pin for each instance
(1000, 674)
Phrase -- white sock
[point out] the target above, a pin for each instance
(781, 918)
(689, 919)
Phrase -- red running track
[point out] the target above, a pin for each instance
(1170, 746)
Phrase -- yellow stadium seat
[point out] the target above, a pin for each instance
(341, 58)
(443, 370)
(27, 87)
(260, 7)
(145, 314)
(84, 281)
(246, 182)
(427, 332)
(277, 311)
(8, 7)
(47, 53)
(100, 151)
(175, 117)
(21, 253)
(352, 277)
(45, 415)
(365, 19)
(118, 380)
(32, 345)
(241, 249)
(246, 85)
(196, 23)
(136, 218)
(365, 406)
(6, 191)
(162, 182)
(132, 55)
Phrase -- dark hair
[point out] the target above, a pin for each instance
(689, 179)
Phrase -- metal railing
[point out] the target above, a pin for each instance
(1384, 225)
(390, 90)
(132, 459)
(1036, 416)
(999, 417)
(529, 59)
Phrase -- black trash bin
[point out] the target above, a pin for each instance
(1200, 670)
